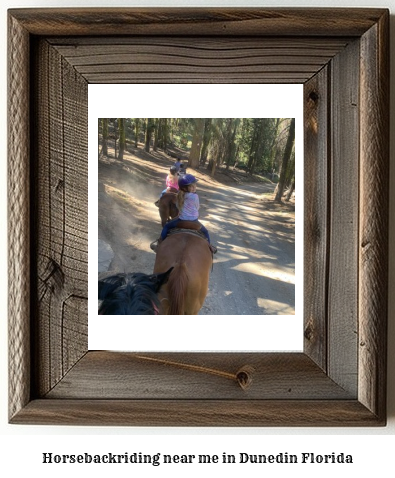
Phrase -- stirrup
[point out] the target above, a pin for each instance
(154, 245)
(157, 202)
(212, 248)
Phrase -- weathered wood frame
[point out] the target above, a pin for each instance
(342, 57)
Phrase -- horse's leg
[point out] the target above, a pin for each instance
(163, 212)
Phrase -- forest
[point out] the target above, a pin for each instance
(246, 173)
(257, 146)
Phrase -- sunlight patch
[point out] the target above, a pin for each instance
(263, 269)
(275, 307)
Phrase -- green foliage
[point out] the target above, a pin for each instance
(255, 145)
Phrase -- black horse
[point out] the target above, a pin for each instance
(131, 294)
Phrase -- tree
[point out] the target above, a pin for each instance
(156, 133)
(217, 144)
(197, 141)
(122, 137)
(290, 191)
(286, 157)
(273, 147)
(257, 144)
(148, 133)
(136, 131)
(206, 140)
(115, 131)
(164, 134)
(230, 150)
(105, 136)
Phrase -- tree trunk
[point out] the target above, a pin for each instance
(206, 141)
(159, 138)
(165, 132)
(156, 133)
(194, 155)
(137, 132)
(253, 147)
(231, 147)
(291, 190)
(148, 134)
(115, 137)
(105, 136)
(260, 145)
(213, 168)
(273, 147)
(122, 137)
(286, 157)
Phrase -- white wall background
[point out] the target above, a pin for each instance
(22, 446)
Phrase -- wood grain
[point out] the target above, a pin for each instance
(224, 60)
(18, 218)
(61, 231)
(202, 413)
(341, 56)
(198, 375)
(260, 22)
(373, 234)
(343, 223)
(316, 213)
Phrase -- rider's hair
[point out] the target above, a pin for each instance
(180, 199)
(181, 196)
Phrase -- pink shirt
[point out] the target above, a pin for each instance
(172, 181)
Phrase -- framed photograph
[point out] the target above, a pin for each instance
(341, 59)
(256, 273)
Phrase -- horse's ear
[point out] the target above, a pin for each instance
(107, 285)
(160, 279)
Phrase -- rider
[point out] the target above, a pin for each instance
(172, 179)
(177, 164)
(188, 206)
(183, 170)
(171, 183)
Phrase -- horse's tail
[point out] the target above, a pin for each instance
(177, 288)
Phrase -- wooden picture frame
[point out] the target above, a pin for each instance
(342, 58)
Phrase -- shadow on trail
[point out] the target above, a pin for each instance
(256, 251)
(254, 269)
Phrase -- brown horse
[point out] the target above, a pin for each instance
(167, 206)
(191, 259)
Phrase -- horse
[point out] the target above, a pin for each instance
(131, 293)
(191, 259)
(167, 206)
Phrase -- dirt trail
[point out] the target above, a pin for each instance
(254, 268)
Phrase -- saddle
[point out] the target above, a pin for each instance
(194, 225)
(172, 191)
(190, 227)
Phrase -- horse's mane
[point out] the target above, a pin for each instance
(176, 287)
(130, 293)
